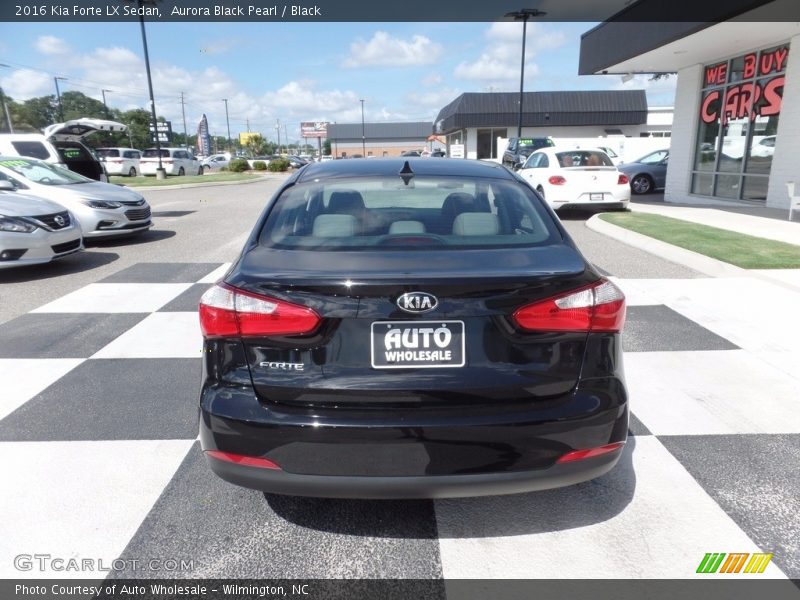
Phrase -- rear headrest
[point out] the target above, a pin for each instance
(346, 202)
(476, 223)
(334, 226)
(400, 227)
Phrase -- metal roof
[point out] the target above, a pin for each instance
(501, 109)
(351, 132)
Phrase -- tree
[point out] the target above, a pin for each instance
(326, 147)
(36, 113)
(78, 106)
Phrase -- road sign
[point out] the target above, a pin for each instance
(164, 132)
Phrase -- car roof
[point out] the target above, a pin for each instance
(387, 167)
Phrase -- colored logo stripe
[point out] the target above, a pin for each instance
(713, 562)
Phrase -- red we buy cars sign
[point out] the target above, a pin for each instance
(748, 98)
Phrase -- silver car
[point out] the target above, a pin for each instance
(102, 209)
(34, 231)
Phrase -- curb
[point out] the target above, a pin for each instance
(693, 260)
(184, 186)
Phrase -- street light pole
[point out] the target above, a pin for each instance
(104, 100)
(363, 135)
(58, 95)
(278, 129)
(227, 121)
(5, 106)
(160, 172)
(523, 15)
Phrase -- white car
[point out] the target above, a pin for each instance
(33, 230)
(63, 144)
(120, 161)
(584, 178)
(103, 210)
(216, 161)
(175, 161)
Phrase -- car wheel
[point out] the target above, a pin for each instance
(181, 172)
(200, 171)
(132, 172)
(641, 184)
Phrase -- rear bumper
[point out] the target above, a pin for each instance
(429, 486)
(414, 453)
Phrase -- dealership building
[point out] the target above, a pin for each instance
(350, 140)
(736, 127)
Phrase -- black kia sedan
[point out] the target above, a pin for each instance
(408, 328)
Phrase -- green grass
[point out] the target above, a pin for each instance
(745, 251)
(176, 180)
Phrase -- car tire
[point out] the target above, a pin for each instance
(181, 172)
(642, 184)
(200, 170)
(132, 172)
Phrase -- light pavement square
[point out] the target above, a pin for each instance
(647, 518)
(116, 298)
(79, 499)
(216, 274)
(160, 335)
(713, 392)
(23, 378)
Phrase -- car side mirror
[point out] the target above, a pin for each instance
(7, 186)
(518, 166)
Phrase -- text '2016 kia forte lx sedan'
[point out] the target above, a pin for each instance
(411, 328)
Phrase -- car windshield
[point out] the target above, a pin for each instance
(653, 158)
(526, 146)
(42, 172)
(370, 213)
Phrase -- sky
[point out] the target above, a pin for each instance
(293, 72)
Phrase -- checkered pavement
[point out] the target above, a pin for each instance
(99, 458)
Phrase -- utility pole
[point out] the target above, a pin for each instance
(363, 136)
(523, 15)
(225, 100)
(161, 173)
(248, 124)
(278, 129)
(5, 106)
(58, 95)
(104, 101)
(185, 134)
(286, 136)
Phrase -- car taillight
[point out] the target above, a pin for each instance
(576, 455)
(226, 311)
(598, 307)
(557, 180)
(623, 179)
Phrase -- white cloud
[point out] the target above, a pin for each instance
(499, 63)
(434, 99)
(51, 45)
(26, 83)
(387, 51)
(432, 79)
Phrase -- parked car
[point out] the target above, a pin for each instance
(63, 144)
(438, 154)
(616, 159)
(33, 230)
(103, 210)
(410, 153)
(406, 328)
(295, 162)
(120, 161)
(519, 149)
(175, 161)
(647, 173)
(215, 162)
(583, 178)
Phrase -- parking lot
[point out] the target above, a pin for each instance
(100, 364)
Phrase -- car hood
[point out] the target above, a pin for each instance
(96, 190)
(77, 129)
(14, 204)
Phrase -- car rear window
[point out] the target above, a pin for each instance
(153, 153)
(108, 152)
(583, 158)
(371, 213)
(32, 149)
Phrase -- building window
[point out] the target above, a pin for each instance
(740, 106)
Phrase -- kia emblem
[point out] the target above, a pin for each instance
(417, 302)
